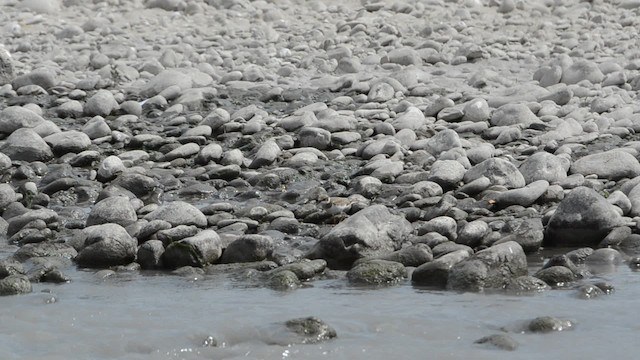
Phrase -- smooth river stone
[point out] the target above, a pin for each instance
(612, 165)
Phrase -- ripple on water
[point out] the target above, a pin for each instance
(137, 316)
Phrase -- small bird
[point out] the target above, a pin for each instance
(336, 205)
(338, 208)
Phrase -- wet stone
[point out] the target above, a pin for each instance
(499, 341)
(14, 285)
(547, 324)
(376, 272)
(311, 330)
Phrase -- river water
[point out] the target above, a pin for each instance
(160, 316)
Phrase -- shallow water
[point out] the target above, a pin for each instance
(150, 316)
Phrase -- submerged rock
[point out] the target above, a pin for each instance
(547, 324)
(310, 330)
(500, 341)
(377, 272)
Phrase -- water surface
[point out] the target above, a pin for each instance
(151, 316)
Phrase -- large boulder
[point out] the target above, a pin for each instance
(491, 268)
(612, 165)
(583, 217)
(199, 250)
(106, 245)
(371, 232)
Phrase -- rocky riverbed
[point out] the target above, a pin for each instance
(443, 144)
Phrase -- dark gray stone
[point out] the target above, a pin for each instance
(305, 269)
(589, 291)
(14, 285)
(16, 223)
(630, 246)
(106, 245)
(68, 141)
(149, 254)
(140, 185)
(556, 276)
(377, 272)
(176, 233)
(283, 280)
(45, 249)
(443, 225)
(413, 255)
(472, 233)
(528, 232)
(435, 273)
(314, 137)
(373, 231)
(197, 251)
(310, 330)
(266, 155)
(248, 248)
(115, 209)
(491, 268)
(526, 284)
(449, 247)
(10, 267)
(500, 341)
(583, 217)
(546, 324)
